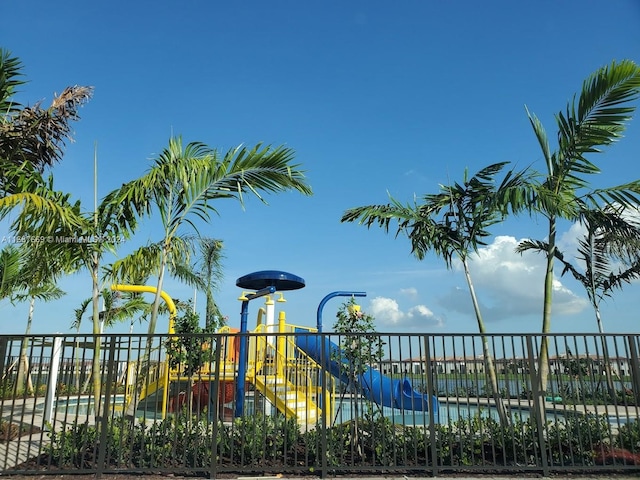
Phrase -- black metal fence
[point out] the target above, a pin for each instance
(320, 404)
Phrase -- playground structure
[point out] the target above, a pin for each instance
(290, 368)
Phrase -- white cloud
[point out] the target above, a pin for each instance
(510, 285)
(410, 292)
(423, 316)
(387, 313)
(568, 241)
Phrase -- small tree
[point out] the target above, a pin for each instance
(453, 223)
(359, 348)
(187, 351)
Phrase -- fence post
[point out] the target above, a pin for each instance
(635, 366)
(215, 403)
(104, 421)
(54, 365)
(431, 391)
(325, 424)
(3, 355)
(537, 404)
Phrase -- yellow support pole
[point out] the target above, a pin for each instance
(282, 343)
(172, 315)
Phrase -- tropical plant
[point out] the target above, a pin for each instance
(608, 254)
(596, 119)
(34, 276)
(183, 182)
(360, 347)
(11, 262)
(188, 351)
(45, 292)
(209, 267)
(32, 138)
(608, 257)
(34, 135)
(454, 223)
(117, 307)
(137, 267)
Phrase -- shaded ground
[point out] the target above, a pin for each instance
(12, 430)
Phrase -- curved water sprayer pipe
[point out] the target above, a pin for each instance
(329, 297)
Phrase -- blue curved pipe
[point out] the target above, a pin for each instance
(329, 297)
(376, 387)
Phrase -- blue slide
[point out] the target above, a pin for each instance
(383, 390)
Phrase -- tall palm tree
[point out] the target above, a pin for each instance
(209, 268)
(31, 139)
(184, 180)
(454, 223)
(34, 277)
(181, 186)
(44, 292)
(608, 257)
(596, 119)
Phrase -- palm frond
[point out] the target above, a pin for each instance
(10, 78)
(78, 313)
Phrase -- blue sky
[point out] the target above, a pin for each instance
(373, 96)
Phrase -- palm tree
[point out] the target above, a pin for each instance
(595, 120)
(34, 135)
(117, 308)
(44, 292)
(31, 139)
(181, 186)
(209, 268)
(609, 255)
(32, 273)
(454, 223)
(145, 262)
(183, 182)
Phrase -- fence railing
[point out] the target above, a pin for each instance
(319, 404)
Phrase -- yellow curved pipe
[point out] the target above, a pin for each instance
(148, 289)
(172, 314)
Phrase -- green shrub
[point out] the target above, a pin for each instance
(263, 437)
(572, 442)
(629, 436)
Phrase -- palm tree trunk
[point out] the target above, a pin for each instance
(76, 381)
(23, 364)
(96, 371)
(156, 302)
(488, 358)
(145, 361)
(543, 360)
(608, 371)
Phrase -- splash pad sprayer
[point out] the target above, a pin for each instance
(265, 282)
